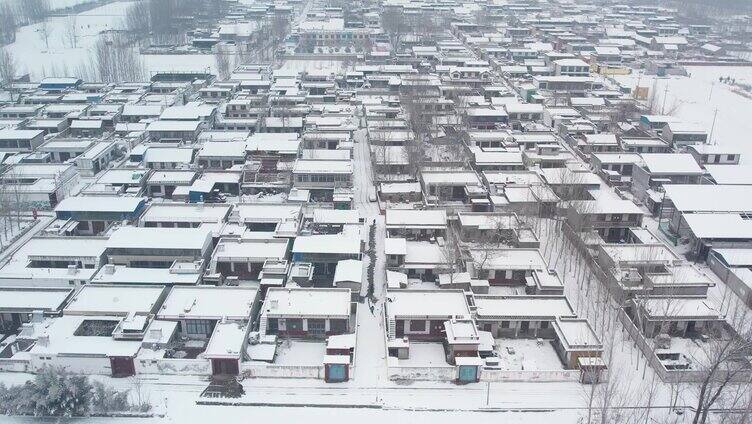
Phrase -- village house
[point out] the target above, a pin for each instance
(416, 224)
(608, 215)
(164, 183)
(306, 312)
(633, 268)
(18, 304)
(207, 322)
(505, 266)
(420, 314)
(322, 176)
(98, 333)
(451, 185)
(243, 259)
(182, 215)
(221, 155)
(644, 145)
(680, 134)
(13, 140)
(164, 131)
(160, 157)
(141, 247)
(54, 262)
(707, 154)
(92, 215)
(664, 168)
(734, 267)
(520, 316)
(324, 251)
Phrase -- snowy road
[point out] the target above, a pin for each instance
(370, 354)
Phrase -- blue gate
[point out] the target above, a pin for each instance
(468, 373)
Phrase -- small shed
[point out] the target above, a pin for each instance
(468, 369)
(336, 368)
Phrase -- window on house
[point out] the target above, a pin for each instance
(505, 324)
(316, 326)
(294, 324)
(337, 326)
(417, 325)
(199, 327)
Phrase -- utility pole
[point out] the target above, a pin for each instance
(712, 127)
(488, 392)
(665, 95)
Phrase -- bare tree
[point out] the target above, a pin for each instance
(7, 67)
(8, 23)
(222, 62)
(138, 19)
(116, 61)
(394, 24)
(724, 360)
(33, 10)
(71, 31)
(451, 254)
(44, 32)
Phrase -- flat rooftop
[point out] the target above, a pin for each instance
(159, 238)
(426, 303)
(19, 299)
(114, 300)
(208, 302)
(421, 218)
(119, 274)
(308, 302)
(522, 307)
(64, 341)
(185, 212)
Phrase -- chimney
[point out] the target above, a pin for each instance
(109, 269)
(189, 305)
(72, 270)
(44, 340)
(155, 334)
(37, 316)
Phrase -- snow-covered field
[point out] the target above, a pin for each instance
(33, 55)
(60, 58)
(700, 94)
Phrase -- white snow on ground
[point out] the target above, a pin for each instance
(60, 59)
(10, 230)
(32, 54)
(527, 355)
(370, 351)
(700, 94)
(301, 353)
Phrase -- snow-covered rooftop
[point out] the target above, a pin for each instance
(440, 304)
(114, 300)
(208, 302)
(522, 307)
(159, 238)
(307, 302)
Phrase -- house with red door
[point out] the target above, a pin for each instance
(212, 324)
(99, 332)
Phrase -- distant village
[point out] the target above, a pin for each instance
(469, 196)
